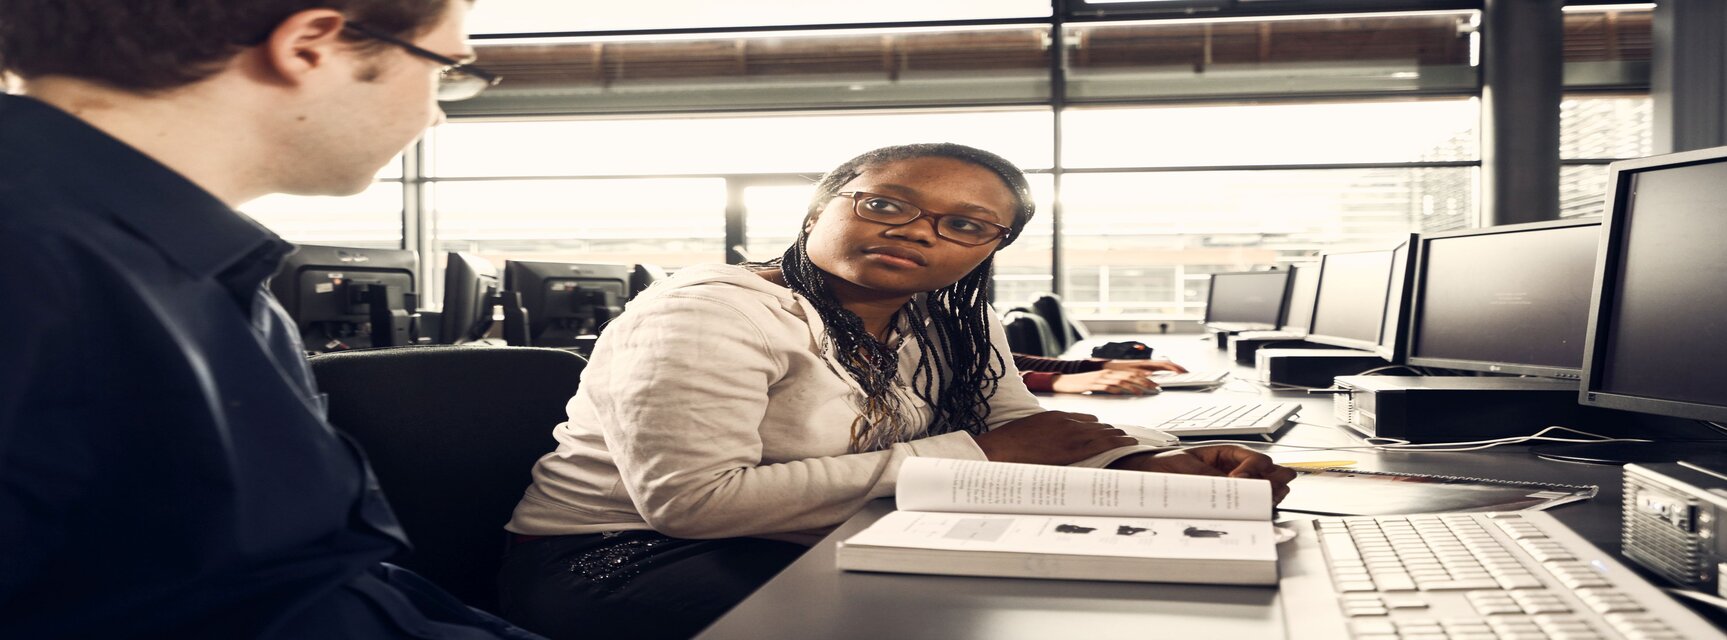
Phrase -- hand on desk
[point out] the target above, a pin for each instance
(1146, 367)
(1219, 460)
(1106, 381)
(1051, 437)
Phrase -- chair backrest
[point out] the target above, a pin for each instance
(1066, 331)
(1028, 334)
(452, 433)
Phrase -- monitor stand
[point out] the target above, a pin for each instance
(1712, 453)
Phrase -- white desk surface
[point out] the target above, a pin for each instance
(813, 599)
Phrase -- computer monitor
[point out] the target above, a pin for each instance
(1654, 343)
(1246, 300)
(349, 298)
(1303, 288)
(568, 303)
(470, 282)
(1506, 299)
(1350, 304)
(1393, 334)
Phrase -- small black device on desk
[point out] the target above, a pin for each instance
(1128, 350)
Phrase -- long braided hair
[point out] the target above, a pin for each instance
(958, 358)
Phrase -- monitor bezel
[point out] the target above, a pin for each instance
(1395, 352)
(461, 266)
(1289, 324)
(1613, 229)
(1419, 297)
(1282, 304)
(1370, 346)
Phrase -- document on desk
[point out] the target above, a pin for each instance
(962, 517)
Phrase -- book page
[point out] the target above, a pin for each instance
(1075, 535)
(971, 486)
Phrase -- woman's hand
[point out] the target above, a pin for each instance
(1122, 382)
(1051, 437)
(1144, 366)
(1220, 460)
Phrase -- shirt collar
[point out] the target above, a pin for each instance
(184, 222)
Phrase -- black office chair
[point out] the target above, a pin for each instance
(452, 433)
(1028, 334)
(1061, 325)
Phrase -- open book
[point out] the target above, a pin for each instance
(963, 517)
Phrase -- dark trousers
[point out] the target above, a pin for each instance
(636, 584)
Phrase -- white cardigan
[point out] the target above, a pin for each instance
(710, 409)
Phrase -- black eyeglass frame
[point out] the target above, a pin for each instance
(451, 67)
(857, 197)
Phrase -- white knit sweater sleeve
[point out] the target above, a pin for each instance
(1013, 401)
(681, 401)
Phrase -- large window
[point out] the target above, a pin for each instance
(1299, 55)
(1140, 243)
(893, 67)
(667, 146)
(669, 222)
(1187, 145)
(538, 17)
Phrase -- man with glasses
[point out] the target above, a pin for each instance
(165, 467)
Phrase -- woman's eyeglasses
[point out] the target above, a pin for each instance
(953, 227)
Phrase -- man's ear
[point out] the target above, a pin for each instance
(304, 43)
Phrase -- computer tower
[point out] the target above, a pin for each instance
(1673, 522)
(1311, 367)
(1244, 346)
(1454, 408)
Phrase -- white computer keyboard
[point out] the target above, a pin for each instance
(1228, 419)
(1470, 576)
(1171, 380)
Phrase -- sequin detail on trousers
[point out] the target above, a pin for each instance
(621, 557)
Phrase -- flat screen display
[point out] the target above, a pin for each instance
(1519, 298)
(1303, 286)
(1351, 301)
(1254, 297)
(1665, 334)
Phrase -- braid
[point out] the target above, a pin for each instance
(958, 357)
(960, 315)
(871, 363)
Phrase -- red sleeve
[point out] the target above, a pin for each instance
(1039, 380)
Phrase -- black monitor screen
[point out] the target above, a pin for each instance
(1303, 286)
(566, 301)
(1351, 301)
(1503, 299)
(469, 283)
(1661, 334)
(1252, 297)
(326, 290)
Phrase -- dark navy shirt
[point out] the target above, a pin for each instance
(165, 466)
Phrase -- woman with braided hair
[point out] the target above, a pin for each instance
(733, 414)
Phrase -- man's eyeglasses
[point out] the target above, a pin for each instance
(954, 227)
(456, 81)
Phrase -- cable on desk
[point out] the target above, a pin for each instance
(1383, 444)
(1699, 596)
(1375, 371)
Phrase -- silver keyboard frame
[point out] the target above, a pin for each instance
(1312, 605)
